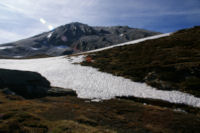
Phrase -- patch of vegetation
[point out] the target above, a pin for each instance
(68, 126)
(21, 122)
(68, 114)
(168, 63)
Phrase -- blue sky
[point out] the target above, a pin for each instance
(22, 18)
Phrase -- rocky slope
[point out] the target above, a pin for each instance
(71, 38)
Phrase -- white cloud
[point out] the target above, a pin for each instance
(94, 12)
(56, 13)
(24, 15)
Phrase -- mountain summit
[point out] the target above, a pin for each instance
(72, 38)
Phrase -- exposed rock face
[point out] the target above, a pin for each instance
(24, 83)
(72, 38)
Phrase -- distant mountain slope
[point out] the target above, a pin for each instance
(169, 63)
(72, 38)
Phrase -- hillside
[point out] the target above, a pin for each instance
(168, 63)
(58, 94)
(71, 38)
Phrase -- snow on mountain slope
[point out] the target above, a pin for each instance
(5, 47)
(90, 83)
(130, 42)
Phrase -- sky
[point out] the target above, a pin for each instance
(20, 19)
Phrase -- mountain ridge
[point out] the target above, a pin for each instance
(72, 38)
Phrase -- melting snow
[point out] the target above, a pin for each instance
(49, 35)
(35, 48)
(5, 47)
(90, 83)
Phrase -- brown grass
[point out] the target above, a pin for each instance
(70, 114)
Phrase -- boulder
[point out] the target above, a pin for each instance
(24, 83)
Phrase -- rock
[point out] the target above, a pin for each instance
(24, 83)
(55, 91)
(152, 78)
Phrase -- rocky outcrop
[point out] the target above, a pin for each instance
(23, 83)
(29, 85)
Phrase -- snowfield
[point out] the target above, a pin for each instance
(92, 84)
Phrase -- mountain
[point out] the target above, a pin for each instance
(72, 38)
(168, 63)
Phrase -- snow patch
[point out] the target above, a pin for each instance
(96, 100)
(5, 47)
(76, 59)
(34, 48)
(121, 35)
(49, 35)
(179, 110)
(89, 83)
